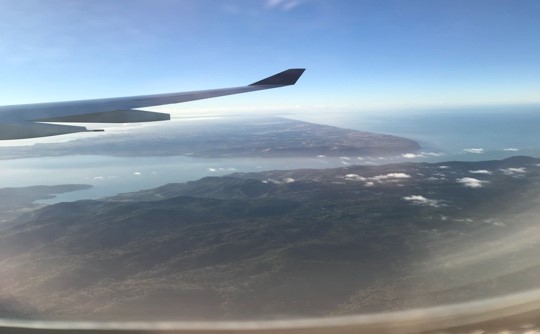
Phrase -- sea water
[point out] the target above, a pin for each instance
(472, 133)
(112, 175)
(468, 134)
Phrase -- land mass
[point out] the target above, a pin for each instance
(16, 201)
(280, 244)
(227, 138)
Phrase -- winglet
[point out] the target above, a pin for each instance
(285, 78)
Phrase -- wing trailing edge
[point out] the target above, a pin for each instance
(24, 130)
(117, 116)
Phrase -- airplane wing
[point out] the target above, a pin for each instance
(30, 120)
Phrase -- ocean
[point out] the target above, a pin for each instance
(495, 132)
(467, 134)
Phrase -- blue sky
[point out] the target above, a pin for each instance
(358, 54)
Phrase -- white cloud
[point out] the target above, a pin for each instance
(256, 8)
(471, 182)
(513, 171)
(421, 200)
(391, 176)
(378, 178)
(511, 149)
(354, 177)
(291, 4)
(421, 155)
(285, 5)
(480, 171)
(321, 156)
(474, 150)
(98, 177)
(345, 158)
(494, 222)
(223, 169)
(433, 154)
(136, 173)
(444, 167)
(282, 181)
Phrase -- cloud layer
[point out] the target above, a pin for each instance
(285, 5)
(513, 171)
(370, 181)
(421, 200)
(480, 171)
(471, 182)
(421, 155)
(474, 150)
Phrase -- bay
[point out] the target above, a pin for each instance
(466, 134)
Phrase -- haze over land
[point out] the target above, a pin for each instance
(227, 138)
(16, 201)
(273, 244)
(280, 243)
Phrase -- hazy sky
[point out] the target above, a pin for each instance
(358, 54)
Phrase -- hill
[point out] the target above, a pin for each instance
(281, 244)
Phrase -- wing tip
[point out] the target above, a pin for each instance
(285, 78)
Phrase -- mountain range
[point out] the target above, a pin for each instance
(280, 244)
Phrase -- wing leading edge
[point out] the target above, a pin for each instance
(24, 121)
